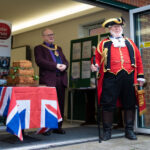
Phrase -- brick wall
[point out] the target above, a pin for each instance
(145, 37)
(97, 31)
(137, 3)
(146, 65)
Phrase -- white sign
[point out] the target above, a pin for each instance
(76, 52)
(75, 70)
(86, 71)
(86, 51)
(5, 46)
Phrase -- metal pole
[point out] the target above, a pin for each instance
(98, 105)
(98, 110)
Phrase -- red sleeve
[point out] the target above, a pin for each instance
(98, 52)
(139, 65)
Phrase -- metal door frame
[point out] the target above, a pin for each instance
(132, 12)
(132, 36)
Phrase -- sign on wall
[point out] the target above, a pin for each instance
(145, 44)
(80, 61)
(5, 47)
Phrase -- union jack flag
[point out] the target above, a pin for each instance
(29, 107)
(5, 94)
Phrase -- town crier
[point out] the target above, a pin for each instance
(120, 67)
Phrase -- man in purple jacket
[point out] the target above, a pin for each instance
(52, 69)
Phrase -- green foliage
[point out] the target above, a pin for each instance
(35, 77)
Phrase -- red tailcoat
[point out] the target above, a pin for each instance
(101, 55)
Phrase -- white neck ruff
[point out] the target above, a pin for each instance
(118, 42)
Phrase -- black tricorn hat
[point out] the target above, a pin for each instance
(113, 21)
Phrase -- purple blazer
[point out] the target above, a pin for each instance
(47, 66)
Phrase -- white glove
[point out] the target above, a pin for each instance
(61, 67)
(58, 66)
(141, 81)
(94, 68)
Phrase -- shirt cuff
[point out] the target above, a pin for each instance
(141, 79)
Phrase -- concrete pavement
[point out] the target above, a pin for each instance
(143, 143)
(76, 138)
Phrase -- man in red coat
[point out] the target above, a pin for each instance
(120, 67)
(52, 68)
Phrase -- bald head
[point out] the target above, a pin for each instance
(45, 29)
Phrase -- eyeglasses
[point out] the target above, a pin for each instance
(49, 35)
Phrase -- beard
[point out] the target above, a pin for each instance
(116, 34)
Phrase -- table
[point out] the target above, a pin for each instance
(29, 107)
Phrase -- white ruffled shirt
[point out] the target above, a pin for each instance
(118, 42)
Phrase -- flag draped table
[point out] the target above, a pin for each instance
(29, 107)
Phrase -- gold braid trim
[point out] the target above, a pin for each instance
(140, 73)
(103, 53)
(119, 71)
(98, 48)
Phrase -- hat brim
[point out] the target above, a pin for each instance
(113, 21)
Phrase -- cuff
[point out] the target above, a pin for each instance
(141, 79)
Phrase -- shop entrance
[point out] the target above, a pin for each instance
(140, 34)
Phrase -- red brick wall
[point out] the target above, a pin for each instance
(146, 65)
(145, 37)
(97, 31)
(137, 3)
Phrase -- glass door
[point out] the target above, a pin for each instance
(140, 34)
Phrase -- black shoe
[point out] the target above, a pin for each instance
(59, 131)
(130, 135)
(106, 135)
(47, 133)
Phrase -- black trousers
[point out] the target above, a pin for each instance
(60, 88)
(120, 86)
